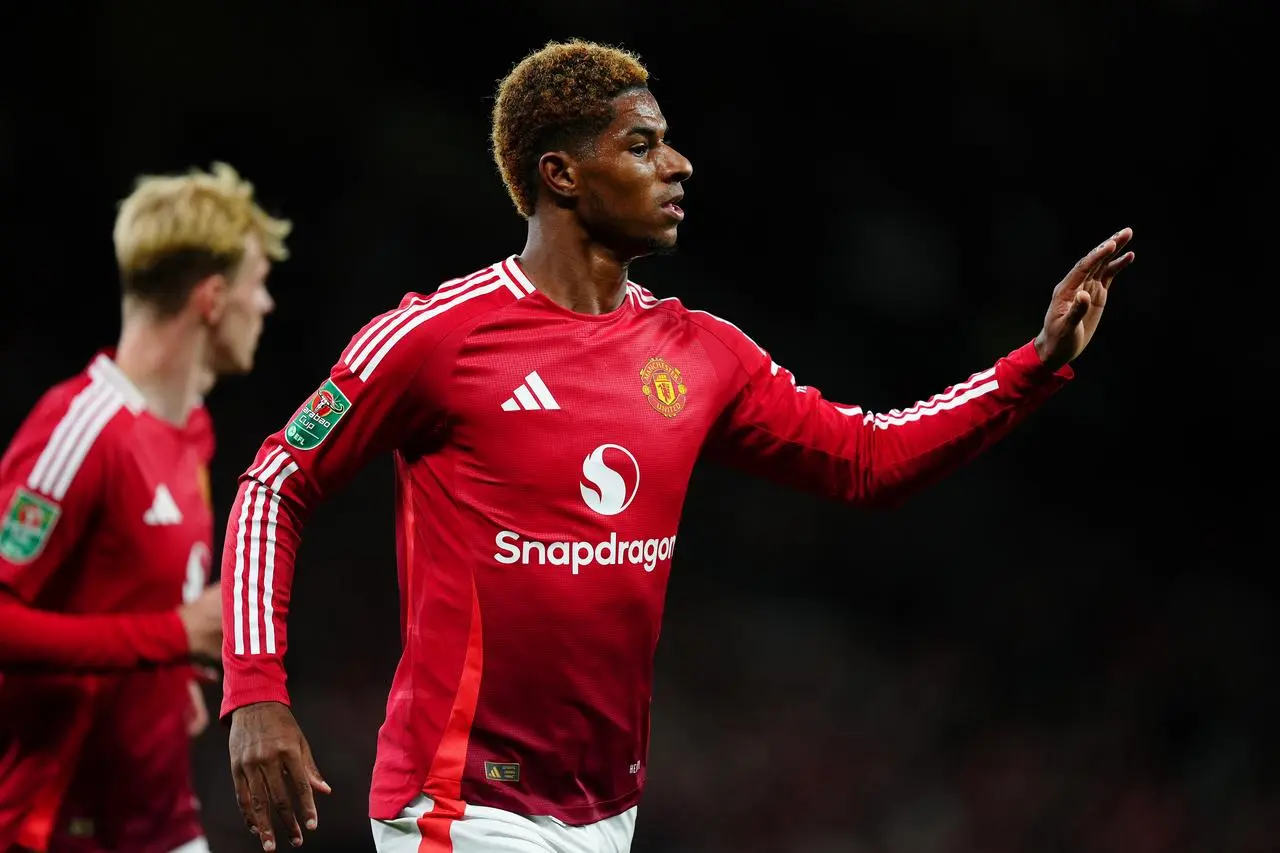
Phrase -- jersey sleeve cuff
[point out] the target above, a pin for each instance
(162, 639)
(1028, 371)
(250, 690)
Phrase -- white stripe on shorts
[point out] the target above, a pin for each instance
(486, 830)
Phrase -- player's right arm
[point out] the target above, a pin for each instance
(375, 398)
(54, 481)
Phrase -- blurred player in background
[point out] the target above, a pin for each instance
(545, 414)
(107, 534)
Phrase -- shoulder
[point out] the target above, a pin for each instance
(410, 332)
(72, 428)
(712, 329)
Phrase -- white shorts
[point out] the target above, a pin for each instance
(485, 830)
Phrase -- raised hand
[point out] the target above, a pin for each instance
(271, 764)
(1079, 299)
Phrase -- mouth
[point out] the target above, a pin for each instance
(673, 209)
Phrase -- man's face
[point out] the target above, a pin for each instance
(236, 334)
(631, 181)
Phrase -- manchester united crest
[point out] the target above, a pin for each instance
(663, 387)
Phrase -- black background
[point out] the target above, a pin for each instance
(1066, 646)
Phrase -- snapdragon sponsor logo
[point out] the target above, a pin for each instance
(610, 481)
(645, 553)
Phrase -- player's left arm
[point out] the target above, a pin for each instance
(790, 434)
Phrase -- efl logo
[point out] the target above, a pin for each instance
(610, 479)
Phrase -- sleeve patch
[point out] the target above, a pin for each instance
(316, 417)
(28, 523)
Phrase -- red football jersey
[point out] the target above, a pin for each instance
(542, 458)
(108, 512)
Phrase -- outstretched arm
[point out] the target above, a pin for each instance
(790, 434)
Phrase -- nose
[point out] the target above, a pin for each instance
(267, 304)
(679, 167)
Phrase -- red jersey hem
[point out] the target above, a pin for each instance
(390, 807)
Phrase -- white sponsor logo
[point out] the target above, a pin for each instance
(610, 480)
(612, 552)
(605, 489)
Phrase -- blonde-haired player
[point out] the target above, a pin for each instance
(107, 531)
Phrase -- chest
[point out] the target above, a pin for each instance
(585, 416)
(156, 531)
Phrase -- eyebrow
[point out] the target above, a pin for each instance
(648, 130)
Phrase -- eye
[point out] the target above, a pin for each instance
(640, 149)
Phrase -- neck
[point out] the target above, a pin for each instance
(167, 359)
(571, 270)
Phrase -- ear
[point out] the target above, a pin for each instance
(209, 298)
(559, 173)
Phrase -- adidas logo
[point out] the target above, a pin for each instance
(164, 510)
(531, 396)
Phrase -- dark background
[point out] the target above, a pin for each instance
(1065, 647)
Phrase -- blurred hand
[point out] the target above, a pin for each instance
(271, 764)
(198, 712)
(203, 620)
(1078, 301)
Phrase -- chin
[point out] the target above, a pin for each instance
(234, 364)
(662, 244)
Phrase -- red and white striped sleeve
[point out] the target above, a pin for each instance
(790, 434)
(384, 391)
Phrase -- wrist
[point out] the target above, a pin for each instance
(1051, 362)
(1041, 345)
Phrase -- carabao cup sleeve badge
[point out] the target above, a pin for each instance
(317, 417)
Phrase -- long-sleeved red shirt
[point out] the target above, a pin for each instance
(107, 529)
(542, 459)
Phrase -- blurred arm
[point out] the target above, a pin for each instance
(39, 640)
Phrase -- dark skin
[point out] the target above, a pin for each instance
(597, 211)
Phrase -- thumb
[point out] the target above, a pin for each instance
(1079, 307)
(317, 779)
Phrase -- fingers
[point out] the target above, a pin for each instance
(244, 800)
(1108, 273)
(300, 777)
(255, 804)
(282, 802)
(1122, 238)
(1090, 264)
